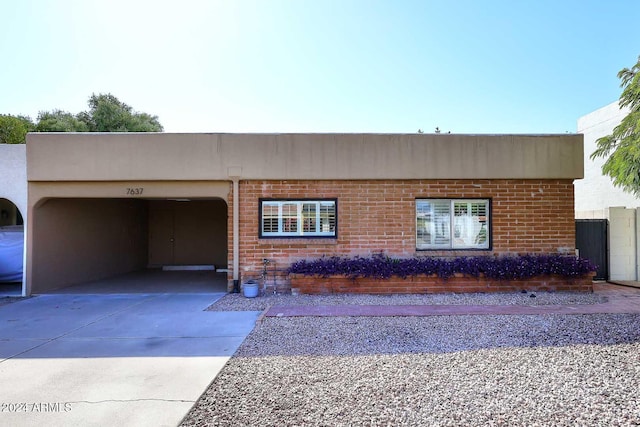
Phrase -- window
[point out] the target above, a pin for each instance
(298, 218)
(452, 224)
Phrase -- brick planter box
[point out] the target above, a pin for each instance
(433, 284)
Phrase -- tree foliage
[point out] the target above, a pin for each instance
(106, 114)
(622, 147)
(60, 121)
(13, 129)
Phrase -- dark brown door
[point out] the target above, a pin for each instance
(188, 233)
(161, 237)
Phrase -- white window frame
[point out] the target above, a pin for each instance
(454, 242)
(320, 228)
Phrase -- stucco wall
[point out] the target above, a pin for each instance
(13, 175)
(160, 189)
(622, 243)
(596, 191)
(13, 187)
(131, 156)
(80, 240)
(597, 198)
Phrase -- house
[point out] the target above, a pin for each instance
(596, 198)
(100, 205)
(13, 211)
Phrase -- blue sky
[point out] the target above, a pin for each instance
(489, 66)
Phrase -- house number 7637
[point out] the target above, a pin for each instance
(135, 191)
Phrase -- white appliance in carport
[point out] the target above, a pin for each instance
(11, 253)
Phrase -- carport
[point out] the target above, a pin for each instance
(102, 244)
(107, 204)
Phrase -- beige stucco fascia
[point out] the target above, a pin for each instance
(40, 191)
(160, 156)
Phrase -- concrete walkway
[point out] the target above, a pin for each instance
(125, 359)
(619, 300)
(629, 283)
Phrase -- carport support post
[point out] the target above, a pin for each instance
(234, 174)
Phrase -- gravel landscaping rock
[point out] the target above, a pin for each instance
(431, 371)
(237, 302)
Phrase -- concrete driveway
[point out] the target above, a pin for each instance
(125, 359)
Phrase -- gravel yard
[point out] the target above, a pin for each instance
(431, 371)
(234, 302)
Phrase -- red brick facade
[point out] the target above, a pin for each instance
(527, 216)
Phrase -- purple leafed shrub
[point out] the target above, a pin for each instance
(381, 266)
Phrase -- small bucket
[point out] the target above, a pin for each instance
(250, 289)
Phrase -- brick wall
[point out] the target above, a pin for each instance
(432, 285)
(527, 216)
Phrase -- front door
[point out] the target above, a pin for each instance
(161, 237)
(187, 233)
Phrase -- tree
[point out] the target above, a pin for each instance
(13, 129)
(59, 121)
(622, 147)
(108, 114)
